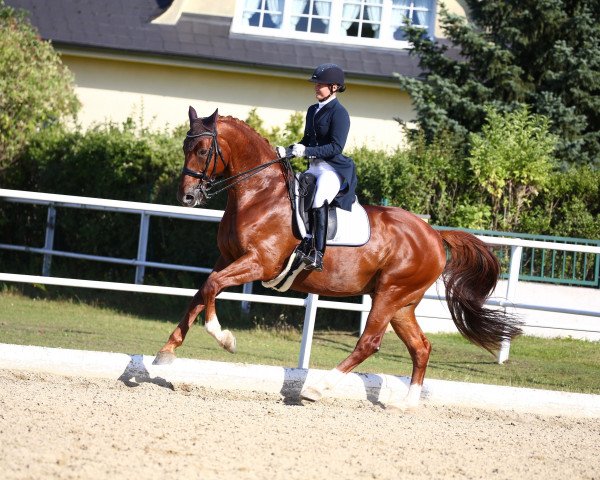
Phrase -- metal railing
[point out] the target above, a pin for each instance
(310, 303)
(540, 264)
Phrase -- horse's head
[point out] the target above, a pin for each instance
(203, 159)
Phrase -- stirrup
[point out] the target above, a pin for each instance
(303, 250)
(314, 261)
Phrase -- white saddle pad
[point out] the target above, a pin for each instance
(353, 229)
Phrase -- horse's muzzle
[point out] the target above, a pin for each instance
(191, 198)
(188, 200)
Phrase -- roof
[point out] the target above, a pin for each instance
(125, 26)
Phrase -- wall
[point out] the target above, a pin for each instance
(456, 7)
(114, 89)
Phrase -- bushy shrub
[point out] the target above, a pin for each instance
(121, 162)
(127, 162)
(511, 160)
(568, 207)
(291, 133)
(424, 178)
(36, 89)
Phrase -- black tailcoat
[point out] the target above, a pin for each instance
(325, 136)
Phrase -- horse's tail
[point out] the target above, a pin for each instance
(470, 277)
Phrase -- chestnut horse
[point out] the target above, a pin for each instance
(403, 257)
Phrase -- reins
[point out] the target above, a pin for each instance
(240, 176)
(214, 154)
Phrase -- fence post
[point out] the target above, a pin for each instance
(516, 252)
(247, 288)
(142, 247)
(308, 329)
(367, 302)
(49, 240)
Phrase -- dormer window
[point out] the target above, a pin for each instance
(362, 22)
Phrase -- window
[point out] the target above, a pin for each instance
(364, 22)
(263, 13)
(417, 11)
(361, 18)
(314, 18)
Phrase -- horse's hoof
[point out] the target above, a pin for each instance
(164, 358)
(401, 407)
(229, 342)
(311, 394)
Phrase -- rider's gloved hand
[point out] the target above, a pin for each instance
(281, 151)
(298, 150)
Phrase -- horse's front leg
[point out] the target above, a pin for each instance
(243, 270)
(167, 353)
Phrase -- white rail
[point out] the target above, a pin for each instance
(311, 303)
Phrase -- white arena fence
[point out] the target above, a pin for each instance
(310, 303)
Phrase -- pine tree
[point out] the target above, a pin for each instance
(541, 53)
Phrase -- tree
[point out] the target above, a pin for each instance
(36, 89)
(512, 162)
(291, 133)
(540, 53)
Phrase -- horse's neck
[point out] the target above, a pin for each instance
(265, 188)
(249, 151)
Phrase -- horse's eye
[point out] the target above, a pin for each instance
(202, 152)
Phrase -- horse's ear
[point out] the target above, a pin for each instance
(211, 122)
(192, 114)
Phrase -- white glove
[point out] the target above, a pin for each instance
(298, 150)
(281, 151)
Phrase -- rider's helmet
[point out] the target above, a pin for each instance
(329, 73)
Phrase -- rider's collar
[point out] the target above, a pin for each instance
(325, 102)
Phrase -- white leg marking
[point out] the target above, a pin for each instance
(224, 337)
(327, 382)
(213, 327)
(410, 401)
(414, 395)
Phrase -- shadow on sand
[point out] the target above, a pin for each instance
(295, 378)
(136, 373)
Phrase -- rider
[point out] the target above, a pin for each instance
(325, 134)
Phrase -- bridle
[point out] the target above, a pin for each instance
(213, 156)
(208, 184)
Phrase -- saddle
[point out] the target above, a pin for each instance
(350, 229)
(345, 228)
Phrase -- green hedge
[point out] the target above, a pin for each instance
(126, 162)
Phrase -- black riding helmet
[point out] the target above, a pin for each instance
(329, 73)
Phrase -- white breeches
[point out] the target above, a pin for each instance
(328, 182)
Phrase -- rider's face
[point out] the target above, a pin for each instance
(322, 90)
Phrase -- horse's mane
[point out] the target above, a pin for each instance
(243, 125)
(236, 124)
(240, 124)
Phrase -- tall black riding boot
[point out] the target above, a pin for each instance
(319, 237)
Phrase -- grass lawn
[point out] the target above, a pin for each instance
(555, 364)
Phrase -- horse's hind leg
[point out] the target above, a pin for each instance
(406, 327)
(368, 343)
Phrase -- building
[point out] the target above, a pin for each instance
(151, 59)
